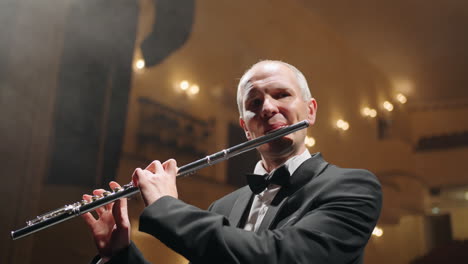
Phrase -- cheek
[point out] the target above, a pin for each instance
(248, 115)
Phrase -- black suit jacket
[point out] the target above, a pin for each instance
(326, 215)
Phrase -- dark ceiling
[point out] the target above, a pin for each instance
(422, 46)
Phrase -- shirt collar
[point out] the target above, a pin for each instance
(291, 164)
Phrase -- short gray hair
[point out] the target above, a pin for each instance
(301, 80)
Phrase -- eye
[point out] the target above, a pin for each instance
(283, 95)
(255, 102)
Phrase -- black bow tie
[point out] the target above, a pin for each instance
(258, 183)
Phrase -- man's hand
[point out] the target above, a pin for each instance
(156, 181)
(111, 230)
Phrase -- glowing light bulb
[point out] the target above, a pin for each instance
(378, 232)
(401, 98)
(343, 125)
(140, 64)
(309, 141)
(194, 89)
(184, 85)
(388, 106)
(369, 112)
(340, 123)
(365, 111)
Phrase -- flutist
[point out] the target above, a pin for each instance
(297, 207)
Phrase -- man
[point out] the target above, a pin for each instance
(310, 211)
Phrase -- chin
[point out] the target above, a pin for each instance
(278, 147)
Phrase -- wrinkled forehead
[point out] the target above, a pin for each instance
(271, 74)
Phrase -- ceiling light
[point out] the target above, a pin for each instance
(184, 85)
(369, 112)
(309, 141)
(378, 232)
(343, 125)
(140, 64)
(401, 98)
(194, 89)
(388, 106)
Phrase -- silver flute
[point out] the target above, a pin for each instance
(72, 210)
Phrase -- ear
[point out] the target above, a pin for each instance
(311, 111)
(242, 124)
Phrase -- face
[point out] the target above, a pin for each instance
(272, 99)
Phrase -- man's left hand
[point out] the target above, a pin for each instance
(157, 180)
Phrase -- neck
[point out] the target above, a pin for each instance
(271, 162)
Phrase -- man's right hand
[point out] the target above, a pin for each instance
(111, 230)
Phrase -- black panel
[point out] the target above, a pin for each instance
(239, 165)
(93, 90)
(171, 29)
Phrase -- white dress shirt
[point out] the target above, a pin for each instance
(262, 201)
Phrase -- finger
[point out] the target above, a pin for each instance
(170, 166)
(87, 197)
(89, 219)
(113, 185)
(152, 166)
(120, 213)
(135, 177)
(158, 165)
(101, 209)
(141, 176)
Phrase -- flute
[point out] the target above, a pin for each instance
(75, 209)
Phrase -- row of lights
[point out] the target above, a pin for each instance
(184, 86)
(372, 113)
(437, 210)
(190, 89)
(366, 112)
(193, 89)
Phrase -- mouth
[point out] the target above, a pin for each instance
(274, 128)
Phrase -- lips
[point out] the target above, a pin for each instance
(273, 128)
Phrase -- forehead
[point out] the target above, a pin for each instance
(270, 75)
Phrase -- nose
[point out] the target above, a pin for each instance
(269, 107)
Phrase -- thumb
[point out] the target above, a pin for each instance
(170, 166)
(120, 213)
(135, 178)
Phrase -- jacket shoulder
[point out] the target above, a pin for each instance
(225, 203)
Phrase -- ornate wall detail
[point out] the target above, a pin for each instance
(445, 141)
(164, 129)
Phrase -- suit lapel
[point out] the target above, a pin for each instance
(303, 174)
(273, 210)
(240, 206)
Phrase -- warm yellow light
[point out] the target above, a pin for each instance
(466, 195)
(366, 111)
(345, 126)
(401, 98)
(184, 85)
(342, 124)
(378, 232)
(140, 64)
(309, 141)
(194, 89)
(388, 106)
